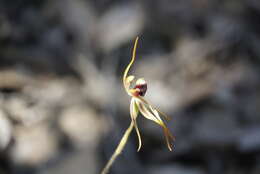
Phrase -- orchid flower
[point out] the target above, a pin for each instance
(138, 103)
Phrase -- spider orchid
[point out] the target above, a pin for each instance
(138, 103)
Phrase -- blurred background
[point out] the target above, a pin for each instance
(63, 108)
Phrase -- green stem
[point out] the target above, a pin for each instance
(119, 149)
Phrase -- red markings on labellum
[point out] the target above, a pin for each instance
(141, 89)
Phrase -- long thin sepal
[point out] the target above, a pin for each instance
(131, 62)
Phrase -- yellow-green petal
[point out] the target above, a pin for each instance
(134, 113)
(128, 82)
(152, 114)
(147, 113)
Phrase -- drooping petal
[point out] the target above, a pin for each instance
(130, 64)
(164, 115)
(152, 114)
(146, 113)
(169, 137)
(134, 113)
(146, 102)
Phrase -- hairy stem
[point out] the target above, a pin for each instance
(119, 149)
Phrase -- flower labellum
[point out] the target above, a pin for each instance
(141, 85)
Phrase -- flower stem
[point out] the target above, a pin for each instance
(119, 149)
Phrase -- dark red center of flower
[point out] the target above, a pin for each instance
(142, 89)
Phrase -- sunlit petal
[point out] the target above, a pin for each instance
(138, 135)
(146, 102)
(148, 107)
(146, 113)
(129, 79)
(134, 113)
(164, 115)
(152, 114)
(133, 109)
(169, 137)
(127, 83)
